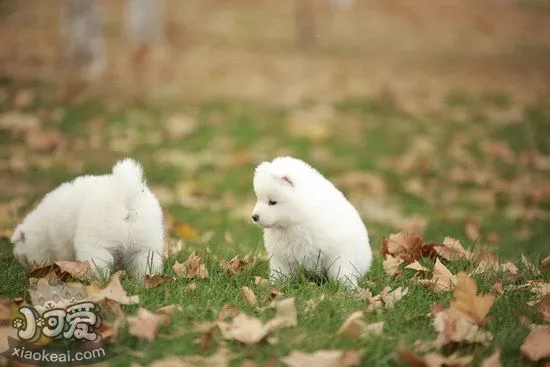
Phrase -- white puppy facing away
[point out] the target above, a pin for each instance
(308, 223)
(109, 220)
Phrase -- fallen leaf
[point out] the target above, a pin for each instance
(416, 266)
(64, 270)
(545, 263)
(451, 249)
(179, 126)
(45, 140)
(185, 231)
(145, 324)
(109, 330)
(442, 279)
(249, 296)
(497, 289)
(387, 298)
(493, 360)
(355, 327)
(246, 329)
(191, 268)
(311, 304)
(227, 311)
(536, 345)
(543, 308)
(472, 229)
(321, 358)
(23, 99)
(170, 309)
(170, 362)
(238, 264)
(405, 246)
(458, 330)
(466, 303)
(285, 314)
(112, 291)
(221, 358)
(391, 265)
(152, 281)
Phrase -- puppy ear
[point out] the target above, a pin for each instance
(18, 235)
(287, 180)
(262, 166)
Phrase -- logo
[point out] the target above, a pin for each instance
(59, 327)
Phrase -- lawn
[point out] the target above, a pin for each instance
(476, 169)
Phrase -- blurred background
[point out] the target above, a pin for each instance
(432, 116)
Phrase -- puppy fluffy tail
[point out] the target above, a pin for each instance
(129, 175)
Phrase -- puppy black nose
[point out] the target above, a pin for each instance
(255, 217)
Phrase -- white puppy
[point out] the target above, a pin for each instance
(110, 220)
(308, 222)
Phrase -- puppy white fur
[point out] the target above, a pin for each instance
(109, 220)
(308, 222)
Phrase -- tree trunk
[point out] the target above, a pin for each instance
(83, 44)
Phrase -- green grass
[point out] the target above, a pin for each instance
(368, 135)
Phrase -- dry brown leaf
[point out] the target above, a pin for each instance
(191, 287)
(170, 362)
(221, 358)
(311, 304)
(191, 268)
(152, 281)
(391, 265)
(442, 279)
(493, 360)
(112, 291)
(109, 330)
(536, 345)
(452, 249)
(458, 330)
(238, 264)
(170, 309)
(322, 358)
(246, 329)
(405, 246)
(185, 231)
(45, 140)
(285, 314)
(387, 298)
(545, 263)
(354, 326)
(249, 296)
(416, 266)
(64, 270)
(432, 359)
(227, 311)
(543, 308)
(179, 126)
(472, 229)
(497, 289)
(76, 269)
(145, 324)
(466, 303)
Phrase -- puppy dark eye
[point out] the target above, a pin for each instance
(272, 202)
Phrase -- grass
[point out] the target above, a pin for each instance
(219, 157)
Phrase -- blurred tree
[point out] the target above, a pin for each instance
(145, 21)
(83, 44)
(305, 24)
